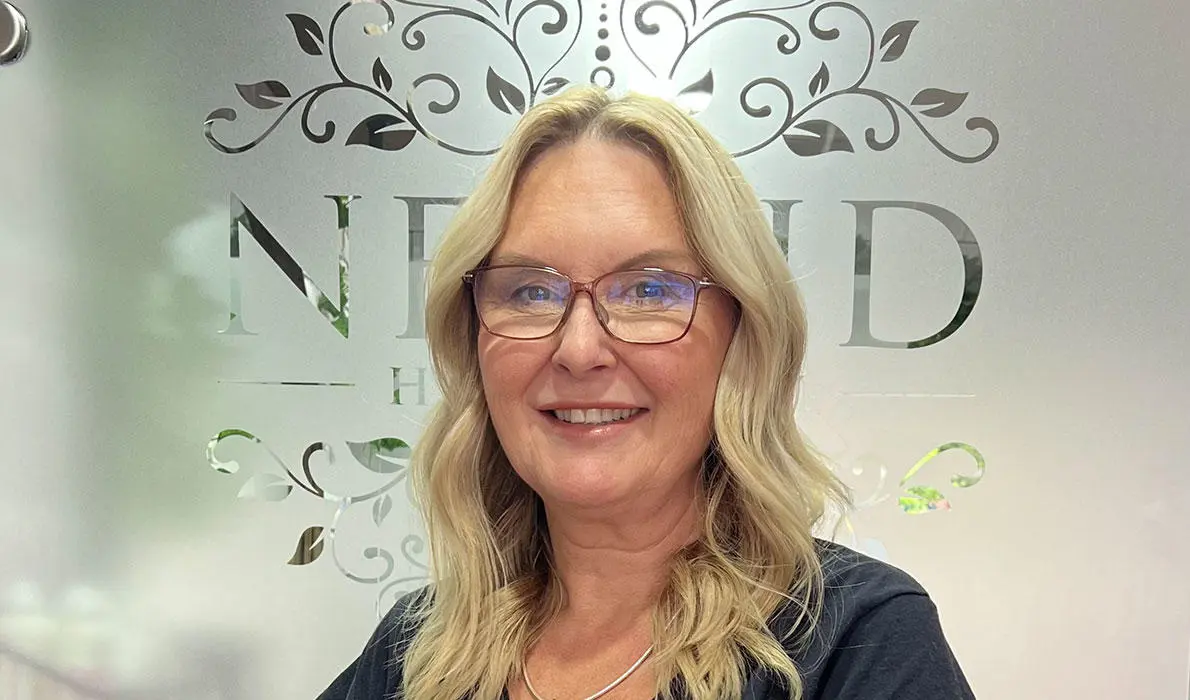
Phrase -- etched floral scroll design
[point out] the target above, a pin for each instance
(801, 117)
(386, 459)
(399, 123)
(805, 128)
(914, 499)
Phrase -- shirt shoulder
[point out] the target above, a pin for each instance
(377, 672)
(878, 636)
(855, 584)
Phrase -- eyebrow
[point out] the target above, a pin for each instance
(657, 257)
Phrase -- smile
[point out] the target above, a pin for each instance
(594, 416)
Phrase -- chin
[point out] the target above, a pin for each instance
(585, 485)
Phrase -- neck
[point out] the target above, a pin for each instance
(613, 565)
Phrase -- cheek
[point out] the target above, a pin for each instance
(686, 381)
(691, 378)
(506, 374)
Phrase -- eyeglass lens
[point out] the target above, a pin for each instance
(642, 306)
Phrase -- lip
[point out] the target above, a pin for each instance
(570, 405)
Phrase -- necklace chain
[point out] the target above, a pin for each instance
(606, 689)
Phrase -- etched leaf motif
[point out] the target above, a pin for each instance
(308, 33)
(923, 499)
(381, 508)
(265, 487)
(927, 492)
(940, 103)
(504, 94)
(913, 505)
(380, 455)
(896, 39)
(370, 132)
(554, 84)
(823, 137)
(224, 113)
(820, 81)
(266, 94)
(704, 84)
(309, 547)
(696, 96)
(381, 77)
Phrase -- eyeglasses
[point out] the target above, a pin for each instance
(647, 306)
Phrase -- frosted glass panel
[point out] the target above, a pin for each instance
(215, 220)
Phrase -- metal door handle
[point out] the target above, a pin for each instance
(14, 34)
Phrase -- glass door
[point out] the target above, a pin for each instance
(215, 220)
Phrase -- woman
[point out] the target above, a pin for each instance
(618, 500)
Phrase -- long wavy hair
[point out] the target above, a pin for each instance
(765, 489)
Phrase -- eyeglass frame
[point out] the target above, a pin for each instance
(589, 287)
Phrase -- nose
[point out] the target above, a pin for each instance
(583, 344)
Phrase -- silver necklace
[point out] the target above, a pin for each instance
(606, 689)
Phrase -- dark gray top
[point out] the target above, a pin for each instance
(878, 639)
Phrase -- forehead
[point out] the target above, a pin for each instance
(594, 206)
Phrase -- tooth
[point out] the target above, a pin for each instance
(594, 416)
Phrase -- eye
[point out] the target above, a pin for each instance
(533, 293)
(651, 289)
(653, 292)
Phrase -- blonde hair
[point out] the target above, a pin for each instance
(765, 488)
